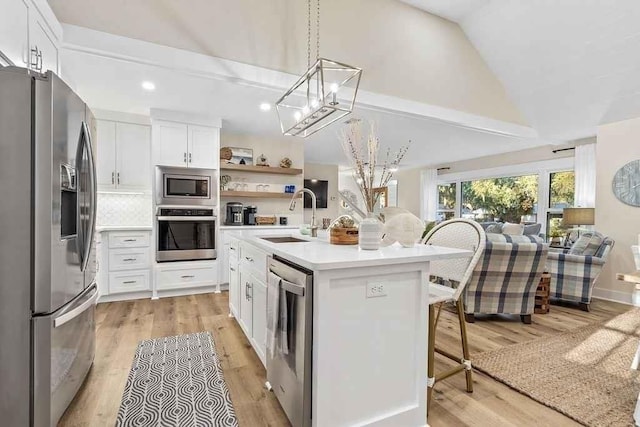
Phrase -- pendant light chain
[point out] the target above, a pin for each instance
(301, 115)
(308, 34)
(318, 30)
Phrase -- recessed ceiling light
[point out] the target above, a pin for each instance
(148, 86)
(265, 106)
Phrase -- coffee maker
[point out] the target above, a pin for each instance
(234, 214)
(250, 213)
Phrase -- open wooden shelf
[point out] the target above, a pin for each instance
(256, 194)
(260, 169)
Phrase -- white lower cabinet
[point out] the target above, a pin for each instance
(234, 287)
(259, 300)
(248, 292)
(129, 259)
(129, 281)
(246, 304)
(186, 275)
(124, 263)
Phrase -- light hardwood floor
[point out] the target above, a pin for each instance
(121, 325)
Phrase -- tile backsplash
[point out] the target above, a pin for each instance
(122, 209)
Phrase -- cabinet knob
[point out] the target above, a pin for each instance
(189, 157)
(232, 269)
(129, 259)
(118, 175)
(129, 282)
(113, 177)
(187, 277)
(184, 158)
(248, 258)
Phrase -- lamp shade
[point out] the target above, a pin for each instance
(578, 216)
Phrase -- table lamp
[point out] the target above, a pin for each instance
(576, 217)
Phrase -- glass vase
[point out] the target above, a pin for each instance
(370, 233)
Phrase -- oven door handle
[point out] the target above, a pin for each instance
(187, 218)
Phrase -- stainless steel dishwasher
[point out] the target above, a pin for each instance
(289, 375)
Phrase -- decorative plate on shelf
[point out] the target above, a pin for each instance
(626, 183)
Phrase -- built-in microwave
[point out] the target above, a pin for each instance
(185, 186)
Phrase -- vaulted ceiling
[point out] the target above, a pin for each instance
(569, 65)
(404, 53)
(560, 66)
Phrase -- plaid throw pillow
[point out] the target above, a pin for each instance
(587, 244)
(494, 228)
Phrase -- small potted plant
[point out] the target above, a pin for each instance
(556, 237)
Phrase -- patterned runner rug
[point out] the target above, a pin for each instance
(176, 381)
(584, 373)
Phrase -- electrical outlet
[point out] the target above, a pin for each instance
(376, 290)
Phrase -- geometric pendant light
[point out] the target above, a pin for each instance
(325, 93)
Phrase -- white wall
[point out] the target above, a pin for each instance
(274, 149)
(409, 196)
(617, 145)
(326, 173)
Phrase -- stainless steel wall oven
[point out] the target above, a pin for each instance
(185, 234)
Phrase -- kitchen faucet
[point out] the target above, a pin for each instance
(292, 206)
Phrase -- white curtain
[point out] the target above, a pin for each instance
(585, 170)
(429, 204)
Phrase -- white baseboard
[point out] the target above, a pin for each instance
(124, 296)
(127, 296)
(613, 295)
(184, 292)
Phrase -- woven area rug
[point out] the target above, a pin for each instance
(584, 373)
(176, 381)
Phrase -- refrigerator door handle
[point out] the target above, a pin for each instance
(86, 233)
(92, 194)
(77, 311)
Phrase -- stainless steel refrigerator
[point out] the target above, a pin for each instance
(47, 257)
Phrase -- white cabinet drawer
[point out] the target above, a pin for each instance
(254, 259)
(129, 239)
(128, 259)
(129, 281)
(169, 278)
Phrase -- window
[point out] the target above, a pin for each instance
(505, 199)
(561, 195)
(562, 186)
(446, 201)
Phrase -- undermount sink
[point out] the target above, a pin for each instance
(283, 239)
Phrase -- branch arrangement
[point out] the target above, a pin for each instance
(363, 158)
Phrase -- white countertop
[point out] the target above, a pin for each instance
(101, 228)
(319, 254)
(258, 227)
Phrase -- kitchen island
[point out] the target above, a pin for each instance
(369, 322)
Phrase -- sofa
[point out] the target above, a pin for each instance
(506, 277)
(574, 271)
(496, 227)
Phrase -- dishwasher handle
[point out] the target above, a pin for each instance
(292, 287)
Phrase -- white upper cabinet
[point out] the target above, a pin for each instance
(30, 35)
(133, 157)
(185, 145)
(202, 145)
(106, 162)
(170, 141)
(14, 31)
(124, 156)
(43, 51)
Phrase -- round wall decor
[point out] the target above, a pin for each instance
(626, 183)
